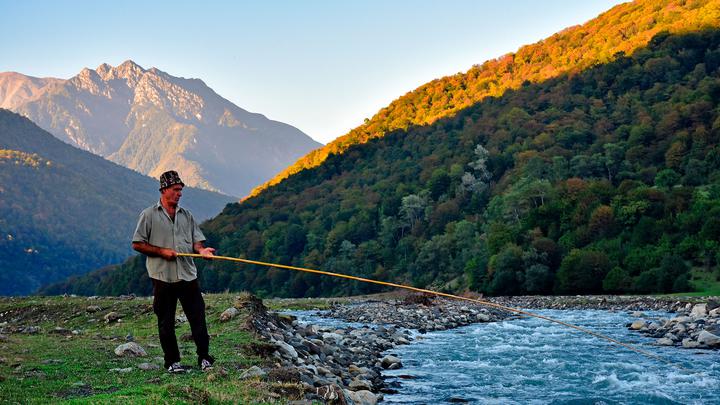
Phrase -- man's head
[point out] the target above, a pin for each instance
(171, 187)
(169, 178)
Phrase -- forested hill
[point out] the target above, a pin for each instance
(623, 29)
(604, 180)
(65, 211)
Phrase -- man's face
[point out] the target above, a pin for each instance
(172, 194)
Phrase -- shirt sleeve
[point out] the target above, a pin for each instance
(198, 236)
(142, 230)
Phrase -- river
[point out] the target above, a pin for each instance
(532, 361)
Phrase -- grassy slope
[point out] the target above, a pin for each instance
(75, 369)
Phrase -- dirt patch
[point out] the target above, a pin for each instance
(419, 299)
(284, 375)
(289, 391)
(260, 349)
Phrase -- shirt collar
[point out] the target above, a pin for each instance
(158, 205)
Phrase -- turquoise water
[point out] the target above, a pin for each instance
(531, 361)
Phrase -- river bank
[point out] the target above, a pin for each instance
(346, 363)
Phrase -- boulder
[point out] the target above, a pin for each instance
(286, 349)
(389, 361)
(130, 349)
(690, 344)
(359, 385)
(362, 397)
(253, 372)
(699, 311)
(665, 342)
(709, 339)
(92, 308)
(637, 325)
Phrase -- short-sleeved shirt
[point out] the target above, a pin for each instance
(156, 228)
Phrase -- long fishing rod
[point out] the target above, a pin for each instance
(441, 294)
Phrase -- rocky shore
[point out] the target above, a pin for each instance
(603, 302)
(693, 327)
(345, 364)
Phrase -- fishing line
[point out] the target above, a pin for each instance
(441, 294)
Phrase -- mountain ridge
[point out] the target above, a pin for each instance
(150, 121)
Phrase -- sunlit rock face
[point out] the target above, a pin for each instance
(150, 121)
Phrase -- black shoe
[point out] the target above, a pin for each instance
(176, 368)
(205, 365)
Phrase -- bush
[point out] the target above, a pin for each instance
(582, 272)
(538, 279)
(617, 281)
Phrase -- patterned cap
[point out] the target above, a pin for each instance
(170, 178)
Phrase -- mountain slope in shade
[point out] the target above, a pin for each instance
(65, 211)
(150, 121)
(622, 29)
(17, 89)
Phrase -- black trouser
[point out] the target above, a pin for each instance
(166, 296)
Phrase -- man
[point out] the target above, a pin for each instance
(164, 230)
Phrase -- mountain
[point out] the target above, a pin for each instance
(621, 30)
(17, 89)
(65, 211)
(150, 121)
(603, 179)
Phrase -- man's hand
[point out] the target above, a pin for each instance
(207, 252)
(168, 254)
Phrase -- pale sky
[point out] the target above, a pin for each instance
(321, 66)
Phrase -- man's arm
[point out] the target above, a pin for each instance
(200, 248)
(154, 251)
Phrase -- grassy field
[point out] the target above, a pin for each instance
(705, 283)
(67, 367)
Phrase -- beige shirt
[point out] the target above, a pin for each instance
(156, 228)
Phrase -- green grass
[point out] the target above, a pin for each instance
(48, 367)
(704, 283)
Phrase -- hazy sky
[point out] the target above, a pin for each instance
(322, 66)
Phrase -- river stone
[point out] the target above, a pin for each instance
(689, 343)
(715, 313)
(699, 311)
(229, 314)
(359, 385)
(389, 360)
(362, 397)
(286, 349)
(252, 372)
(708, 339)
(665, 342)
(637, 325)
(130, 349)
